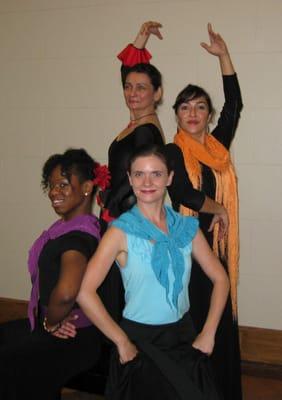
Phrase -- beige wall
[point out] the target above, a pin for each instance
(59, 87)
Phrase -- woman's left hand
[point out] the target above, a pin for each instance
(217, 46)
(151, 28)
(205, 343)
(147, 29)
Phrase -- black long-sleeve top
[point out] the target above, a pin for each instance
(224, 132)
(119, 197)
(227, 123)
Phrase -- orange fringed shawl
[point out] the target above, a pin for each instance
(214, 155)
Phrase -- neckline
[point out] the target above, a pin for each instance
(133, 130)
(152, 223)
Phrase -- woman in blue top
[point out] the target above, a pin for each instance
(157, 353)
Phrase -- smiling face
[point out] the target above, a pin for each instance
(68, 196)
(149, 178)
(139, 93)
(193, 117)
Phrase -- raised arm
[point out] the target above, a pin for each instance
(230, 114)
(147, 29)
(218, 48)
(214, 270)
(111, 246)
(136, 53)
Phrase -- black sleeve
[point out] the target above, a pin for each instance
(82, 242)
(225, 130)
(50, 258)
(181, 190)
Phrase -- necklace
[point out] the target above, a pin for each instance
(143, 116)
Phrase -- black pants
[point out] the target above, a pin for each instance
(37, 365)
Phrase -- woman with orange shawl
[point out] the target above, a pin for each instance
(208, 163)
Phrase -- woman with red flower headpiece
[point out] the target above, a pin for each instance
(39, 354)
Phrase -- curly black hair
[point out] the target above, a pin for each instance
(72, 162)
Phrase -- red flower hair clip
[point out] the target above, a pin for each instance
(102, 176)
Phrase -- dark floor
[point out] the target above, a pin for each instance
(254, 388)
(72, 395)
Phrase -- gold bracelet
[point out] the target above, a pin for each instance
(52, 330)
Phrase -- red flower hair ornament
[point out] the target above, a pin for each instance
(102, 176)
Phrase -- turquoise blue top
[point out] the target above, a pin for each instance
(157, 272)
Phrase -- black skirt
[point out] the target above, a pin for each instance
(167, 367)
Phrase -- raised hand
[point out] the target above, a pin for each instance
(217, 46)
(151, 28)
(147, 28)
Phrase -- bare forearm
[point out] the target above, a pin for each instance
(96, 312)
(140, 40)
(58, 308)
(226, 65)
(211, 207)
(147, 29)
(217, 304)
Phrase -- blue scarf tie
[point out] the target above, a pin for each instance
(166, 249)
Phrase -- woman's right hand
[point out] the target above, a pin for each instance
(67, 329)
(127, 351)
(147, 28)
(222, 219)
